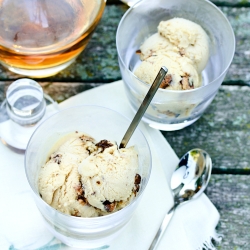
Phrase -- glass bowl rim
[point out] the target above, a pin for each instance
(176, 91)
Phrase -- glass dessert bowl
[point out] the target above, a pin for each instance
(173, 109)
(100, 123)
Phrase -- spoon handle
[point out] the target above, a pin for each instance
(162, 228)
(149, 96)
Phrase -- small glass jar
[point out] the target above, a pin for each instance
(25, 103)
(26, 106)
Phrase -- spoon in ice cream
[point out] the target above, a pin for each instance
(188, 181)
(149, 96)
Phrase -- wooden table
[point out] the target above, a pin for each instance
(223, 131)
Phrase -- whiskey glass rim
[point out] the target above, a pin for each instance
(62, 45)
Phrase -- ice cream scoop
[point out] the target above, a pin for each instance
(109, 177)
(182, 75)
(182, 46)
(189, 38)
(188, 181)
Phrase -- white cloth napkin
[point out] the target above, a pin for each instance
(191, 228)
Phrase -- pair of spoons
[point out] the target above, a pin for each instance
(192, 174)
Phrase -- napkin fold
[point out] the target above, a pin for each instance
(191, 228)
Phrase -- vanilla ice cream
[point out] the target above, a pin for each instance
(108, 177)
(181, 72)
(88, 179)
(189, 38)
(153, 44)
(180, 45)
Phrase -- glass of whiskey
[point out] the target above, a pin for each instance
(39, 38)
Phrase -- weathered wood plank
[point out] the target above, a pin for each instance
(240, 21)
(232, 3)
(99, 63)
(58, 91)
(223, 131)
(230, 195)
(62, 91)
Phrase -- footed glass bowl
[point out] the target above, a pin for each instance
(100, 123)
(171, 109)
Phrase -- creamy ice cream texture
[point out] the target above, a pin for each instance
(180, 45)
(181, 72)
(109, 176)
(88, 179)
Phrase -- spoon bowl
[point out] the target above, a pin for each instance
(188, 181)
(191, 176)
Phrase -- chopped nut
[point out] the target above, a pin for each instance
(170, 113)
(137, 188)
(185, 83)
(182, 51)
(76, 213)
(104, 144)
(109, 206)
(81, 202)
(80, 191)
(57, 158)
(166, 81)
(137, 179)
(78, 187)
(85, 138)
(82, 199)
(138, 52)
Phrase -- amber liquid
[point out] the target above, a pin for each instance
(40, 34)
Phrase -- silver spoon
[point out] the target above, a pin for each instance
(188, 181)
(149, 96)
